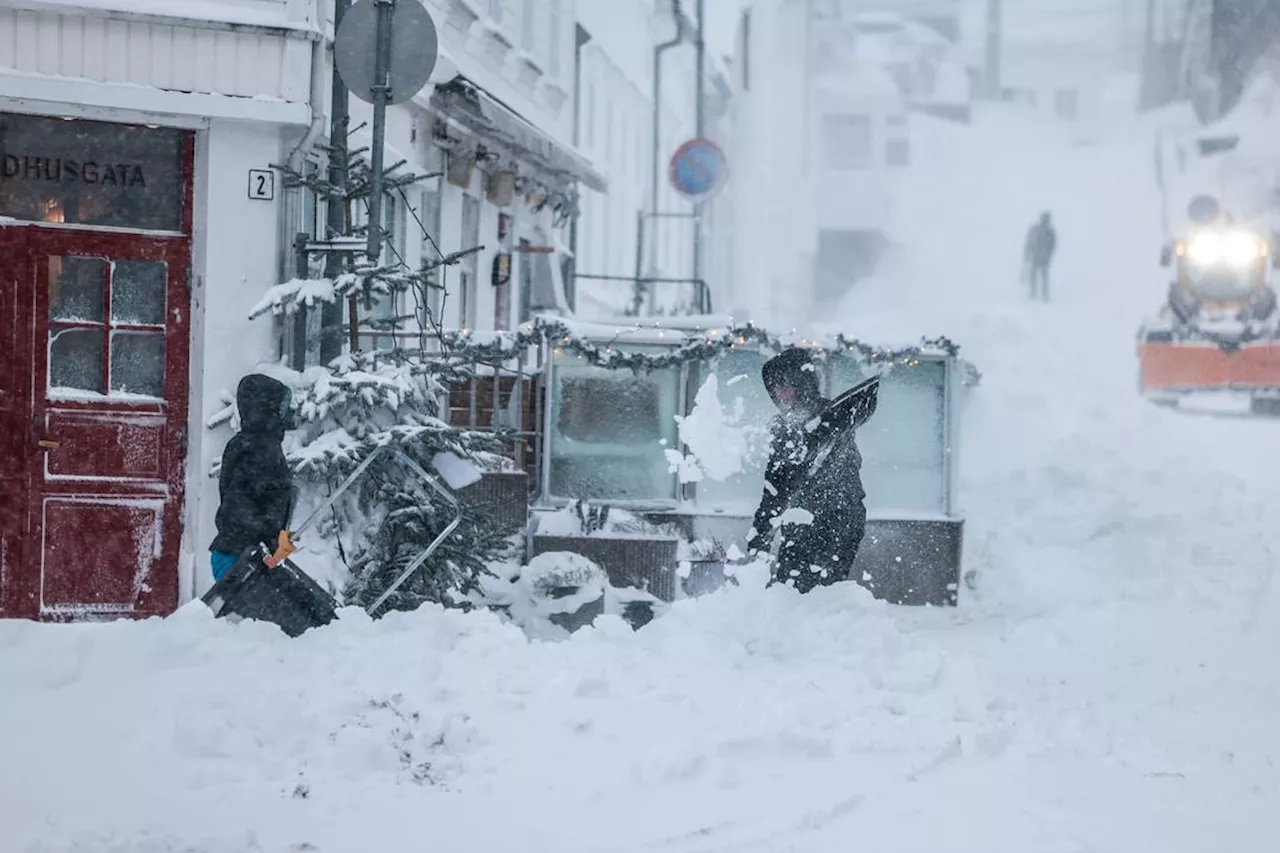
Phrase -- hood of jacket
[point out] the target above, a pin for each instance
(265, 405)
(793, 368)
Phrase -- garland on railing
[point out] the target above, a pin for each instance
(692, 346)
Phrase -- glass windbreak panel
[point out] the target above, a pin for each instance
(77, 289)
(741, 443)
(138, 291)
(75, 360)
(904, 444)
(137, 363)
(608, 429)
(91, 173)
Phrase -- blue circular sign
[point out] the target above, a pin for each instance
(698, 168)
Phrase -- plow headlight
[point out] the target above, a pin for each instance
(1235, 248)
(1241, 249)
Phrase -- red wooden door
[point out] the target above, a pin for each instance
(104, 317)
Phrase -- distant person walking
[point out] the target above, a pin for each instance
(1036, 255)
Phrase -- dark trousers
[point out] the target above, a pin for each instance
(1039, 281)
(821, 553)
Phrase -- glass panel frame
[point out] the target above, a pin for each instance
(645, 465)
(745, 404)
(902, 477)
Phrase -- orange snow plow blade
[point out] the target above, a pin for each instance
(1196, 367)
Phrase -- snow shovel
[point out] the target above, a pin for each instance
(264, 584)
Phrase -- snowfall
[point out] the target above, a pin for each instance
(1108, 682)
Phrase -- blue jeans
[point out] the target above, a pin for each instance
(222, 562)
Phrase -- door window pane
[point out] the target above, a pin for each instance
(77, 289)
(137, 363)
(137, 292)
(91, 172)
(75, 359)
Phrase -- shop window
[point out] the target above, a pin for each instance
(747, 410)
(92, 173)
(106, 327)
(469, 265)
(432, 214)
(904, 444)
(537, 282)
(610, 430)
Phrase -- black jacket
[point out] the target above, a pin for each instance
(814, 462)
(255, 484)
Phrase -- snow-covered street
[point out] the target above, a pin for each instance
(1108, 684)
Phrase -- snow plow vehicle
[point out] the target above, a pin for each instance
(1218, 334)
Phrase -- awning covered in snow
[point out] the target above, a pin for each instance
(461, 100)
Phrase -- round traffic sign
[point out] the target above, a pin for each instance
(698, 168)
(415, 47)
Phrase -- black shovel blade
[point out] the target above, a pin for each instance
(283, 595)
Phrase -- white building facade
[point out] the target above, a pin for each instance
(142, 217)
(642, 227)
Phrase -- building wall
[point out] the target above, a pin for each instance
(616, 112)
(50, 49)
(521, 52)
(225, 344)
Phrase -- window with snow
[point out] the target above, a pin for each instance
(730, 443)
(106, 327)
(904, 444)
(846, 142)
(610, 430)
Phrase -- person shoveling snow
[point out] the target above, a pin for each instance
(813, 495)
(255, 484)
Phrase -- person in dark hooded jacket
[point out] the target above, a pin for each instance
(255, 485)
(818, 546)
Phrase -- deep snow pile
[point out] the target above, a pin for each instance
(1110, 685)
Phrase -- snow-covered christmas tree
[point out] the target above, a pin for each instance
(386, 396)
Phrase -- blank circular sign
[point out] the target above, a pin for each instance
(414, 49)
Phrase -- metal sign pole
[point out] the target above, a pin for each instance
(381, 90)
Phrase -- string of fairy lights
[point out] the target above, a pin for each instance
(703, 345)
